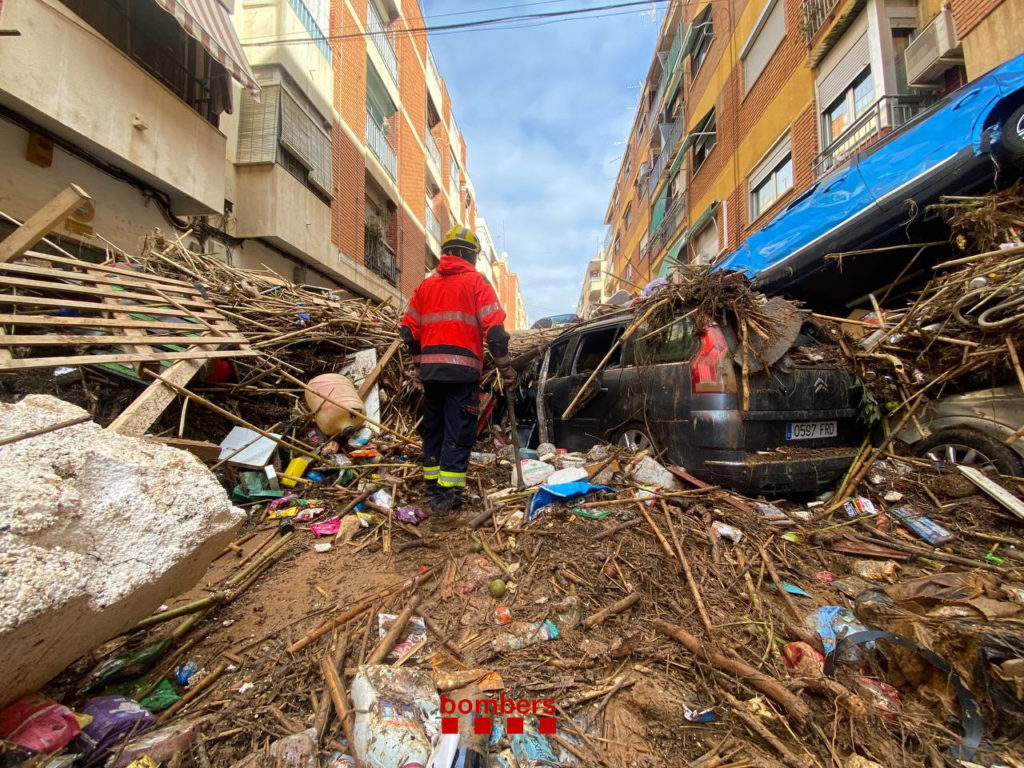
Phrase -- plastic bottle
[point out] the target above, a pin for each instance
(397, 715)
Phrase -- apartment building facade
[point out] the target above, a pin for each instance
(755, 100)
(125, 99)
(314, 138)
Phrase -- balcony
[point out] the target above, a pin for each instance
(433, 151)
(433, 225)
(674, 215)
(379, 34)
(886, 114)
(65, 98)
(814, 14)
(380, 260)
(378, 143)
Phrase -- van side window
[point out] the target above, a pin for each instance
(594, 346)
(675, 344)
(557, 353)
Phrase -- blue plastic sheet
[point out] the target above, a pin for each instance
(549, 494)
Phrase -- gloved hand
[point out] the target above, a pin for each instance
(508, 377)
(417, 382)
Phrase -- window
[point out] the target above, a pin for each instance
(705, 243)
(702, 32)
(593, 348)
(555, 357)
(763, 42)
(772, 188)
(645, 246)
(284, 128)
(627, 216)
(771, 178)
(842, 113)
(629, 271)
(704, 139)
(675, 344)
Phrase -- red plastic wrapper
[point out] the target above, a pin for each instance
(802, 660)
(38, 723)
(882, 697)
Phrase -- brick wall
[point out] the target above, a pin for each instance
(968, 14)
(347, 211)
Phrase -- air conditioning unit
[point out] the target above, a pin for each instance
(933, 51)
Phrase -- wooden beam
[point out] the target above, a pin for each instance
(42, 222)
(95, 306)
(58, 321)
(95, 276)
(71, 339)
(373, 375)
(53, 285)
(52, 362)
(105, 268)
(147, 407)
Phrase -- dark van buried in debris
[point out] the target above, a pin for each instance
(678, 389)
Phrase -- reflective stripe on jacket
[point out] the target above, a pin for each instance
(450, 315)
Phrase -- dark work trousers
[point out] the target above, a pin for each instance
(450, 415)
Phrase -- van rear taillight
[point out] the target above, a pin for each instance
(707, 371)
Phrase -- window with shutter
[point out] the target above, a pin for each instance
(257, 126)
(295, 129)
(763, 42)
(705, 244)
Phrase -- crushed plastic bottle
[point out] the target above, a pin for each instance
(398, 715)
(523, 634)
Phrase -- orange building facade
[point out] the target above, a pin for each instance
(748, 102)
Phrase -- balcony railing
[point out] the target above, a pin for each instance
(814, 15)
(378, 142)
(379, 34)
(887, 113)
(380, 260)
(673, 215)
(434, 151)
(433, 225)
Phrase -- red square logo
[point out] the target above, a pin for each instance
(481, 725)
(449, 725)
(514, 725)
(546, 725)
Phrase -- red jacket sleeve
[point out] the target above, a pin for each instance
(411, 324)
(491, 317)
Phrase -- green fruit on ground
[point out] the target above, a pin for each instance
(496, 588)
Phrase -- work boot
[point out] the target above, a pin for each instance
(444, 515)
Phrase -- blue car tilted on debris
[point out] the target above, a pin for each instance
(878, 195)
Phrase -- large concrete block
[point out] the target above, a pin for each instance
(96, 530)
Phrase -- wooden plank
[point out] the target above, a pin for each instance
(93, 275)
(994, 489)
(109, 322)
(42, 222)
(147, 407)
(71, 339)
(46, 285)
(95, 306)
(139, 349)
(203, 449)
(374, 374)
(725, 496)
(105, 268)
(51, 362)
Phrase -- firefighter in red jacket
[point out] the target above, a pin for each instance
(450, 315)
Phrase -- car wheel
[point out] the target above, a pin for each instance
(634, 438)
(1013, 134)
(972, 449)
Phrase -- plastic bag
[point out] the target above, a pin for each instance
(38, 723)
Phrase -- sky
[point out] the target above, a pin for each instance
(545, 111)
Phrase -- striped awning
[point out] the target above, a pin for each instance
(209, 23)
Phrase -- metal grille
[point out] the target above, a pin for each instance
(380, 146)
(380, 36)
